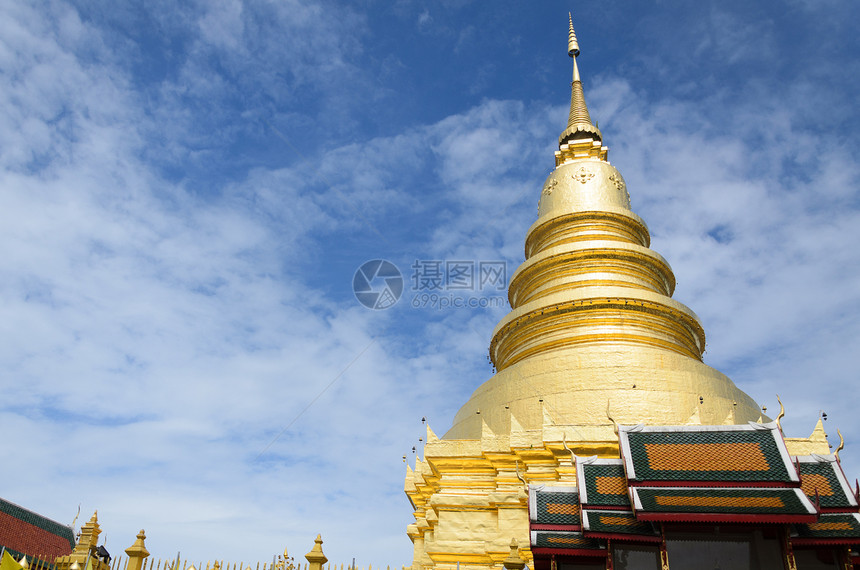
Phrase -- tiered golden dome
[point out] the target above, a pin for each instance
(593, 330)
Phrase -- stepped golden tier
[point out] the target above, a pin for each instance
(594, 339)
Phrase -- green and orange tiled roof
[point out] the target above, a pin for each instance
(602, 482)
(723, 474)
(554, 505)
(822, 475)
(565, 540)
(735, 503)
(617, 524)
(829, 528)
(731, 454)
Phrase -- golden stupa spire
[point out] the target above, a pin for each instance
(579, 125)
(592, 322)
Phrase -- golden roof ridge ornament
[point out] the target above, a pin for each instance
(841, 444)
(579, 125)
(781, 413)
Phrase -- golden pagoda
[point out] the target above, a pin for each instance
(594, 340)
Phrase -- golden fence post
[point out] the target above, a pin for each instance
(137, 553)
(315, 557)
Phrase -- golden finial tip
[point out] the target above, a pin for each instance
(572, 44)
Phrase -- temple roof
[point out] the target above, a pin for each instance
(719, 454)
(620, 525)
(25, 532)
(733, 504)
(554, 505)
(823, 480)
(736, 474)
(829, 529)
(602, 482)
(567, 541)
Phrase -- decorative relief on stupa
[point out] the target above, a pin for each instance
(547, 188)
(582, 175)
(616, 179)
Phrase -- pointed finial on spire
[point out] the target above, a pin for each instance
(579, 125)
(572, 44)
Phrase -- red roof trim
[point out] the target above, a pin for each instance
(839, 510)
(570, 552)
(824, 541)
(623, 537)
(558, 527)
(606, 507)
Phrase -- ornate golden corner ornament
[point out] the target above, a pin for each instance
(841, 444)
(520, 477)
(781, 413)
(608, 415)
(569, 450)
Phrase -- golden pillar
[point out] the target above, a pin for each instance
(315, 557)
(137, 552)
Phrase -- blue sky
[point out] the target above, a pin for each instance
(188, 190)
